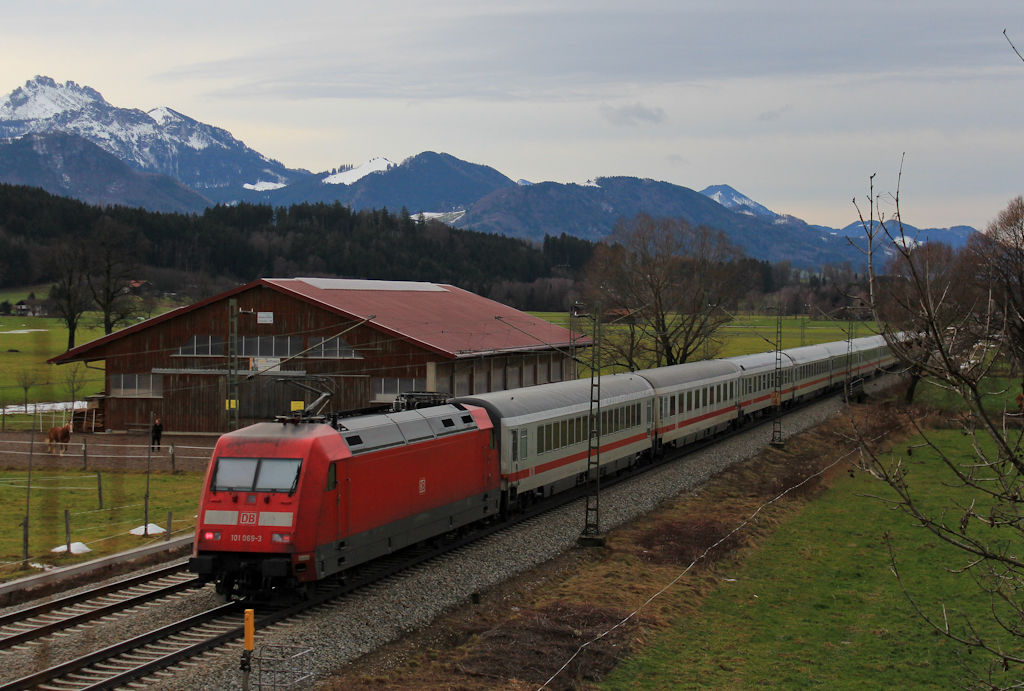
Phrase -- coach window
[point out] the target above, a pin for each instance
(689, 401)
(332, 476)
(540, 440)
(672, 406)
(515, 445)
(704, 397)
(548, 441)
(565, 436)
(732, 390)
(522, 445)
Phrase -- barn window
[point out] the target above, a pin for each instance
(202, 345)
(335, 347)
(386, 389)
(556, 370)
(136, 386)
(268, 346)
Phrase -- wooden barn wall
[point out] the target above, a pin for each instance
(196, 402)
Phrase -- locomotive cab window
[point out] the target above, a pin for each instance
(256, 475)
(332, 476)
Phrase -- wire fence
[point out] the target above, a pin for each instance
(177, 456)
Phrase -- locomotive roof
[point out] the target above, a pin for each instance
(520, 406)
(372, 432)
(688, 372)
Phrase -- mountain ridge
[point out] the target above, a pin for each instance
(221, 169)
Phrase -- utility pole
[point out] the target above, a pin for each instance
(231, 404)
(591, 536)
(776, 441)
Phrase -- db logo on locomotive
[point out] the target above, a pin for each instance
(249, 518)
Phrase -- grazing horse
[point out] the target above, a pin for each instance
(58, 438)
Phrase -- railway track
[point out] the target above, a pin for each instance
(18, 628)
(150, 654)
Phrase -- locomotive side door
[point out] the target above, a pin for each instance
(329, 526)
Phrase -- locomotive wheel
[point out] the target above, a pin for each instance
(225, 590)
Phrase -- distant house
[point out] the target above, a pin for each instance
(142, 288)
(30, 307)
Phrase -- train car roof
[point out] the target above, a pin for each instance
(522, 406)
(811, 353)
(757, 362)
(688, 372)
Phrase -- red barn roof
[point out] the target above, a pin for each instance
(449, 321)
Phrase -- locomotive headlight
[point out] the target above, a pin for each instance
(210, 535)
(281, 537)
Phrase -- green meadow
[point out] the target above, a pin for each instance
(105, 530)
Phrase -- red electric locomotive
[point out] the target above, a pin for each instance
(288, 503)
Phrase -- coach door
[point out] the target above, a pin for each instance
(514, 456)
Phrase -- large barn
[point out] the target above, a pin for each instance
(363, 341)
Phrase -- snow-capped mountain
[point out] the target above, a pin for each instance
(731, 199)
(159, 141)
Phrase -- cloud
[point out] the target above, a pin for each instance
(633, 115)
(769, 115)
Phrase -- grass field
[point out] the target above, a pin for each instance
(104, 531)
(26, 343)
(756, 333)
(817, 606)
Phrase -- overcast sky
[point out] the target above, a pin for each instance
(795, 104)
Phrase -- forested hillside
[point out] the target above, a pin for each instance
(244, 242)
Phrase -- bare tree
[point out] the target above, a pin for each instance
(673, 277)
(69, 295)
(114, 258)
(25, 379)
(953, 332)
(72, 379)
(997, 257)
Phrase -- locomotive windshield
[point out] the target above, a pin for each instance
(256, 474)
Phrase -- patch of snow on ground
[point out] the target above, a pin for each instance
(376, 165)
(42, 407)
(446, 216)
(76, 548)
(22, 331)
(589, 183)
(154, 529)
(44, 567)
(262, 186)
(523, 183)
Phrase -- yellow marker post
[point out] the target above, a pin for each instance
(250, 636)
(250, 629)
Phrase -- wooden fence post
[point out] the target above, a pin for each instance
(172, 457)
(170, 522)
(67, 528)
(85, 452)
(99, 488)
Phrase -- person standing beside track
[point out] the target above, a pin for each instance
(155, 434)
